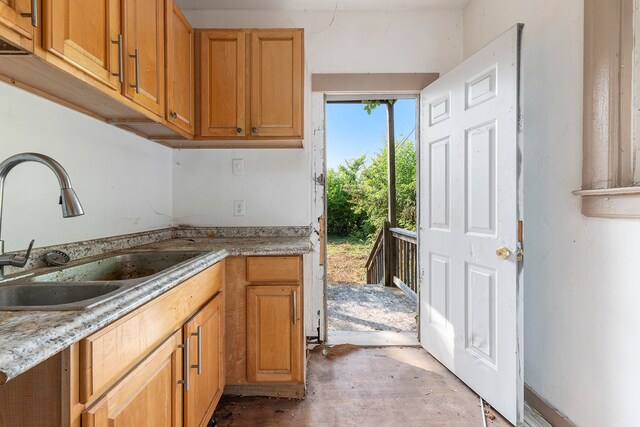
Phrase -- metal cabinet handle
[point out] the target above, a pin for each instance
(33, 15)
(239, 130)
(295, 307)
(199, 335)
(185, 380)
(136, 58)
(173, 115)
(120, 58)
(254, 130)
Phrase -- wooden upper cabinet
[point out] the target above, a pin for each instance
(276, 83)
(88, 35)
(180, 69)
(251, 84)
(206, 353)
(274, 334)
(15, 27)
(149, 396)
(144, 53)
(223, 83)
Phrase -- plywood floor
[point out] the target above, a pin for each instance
(358, 386)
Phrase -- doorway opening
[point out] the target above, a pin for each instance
(371, 294)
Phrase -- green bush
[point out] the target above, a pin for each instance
(343, 219)
(357, 192)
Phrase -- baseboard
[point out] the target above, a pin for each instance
(292, 391)
(534, 419)
(542, 413)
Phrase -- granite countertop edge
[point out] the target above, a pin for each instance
(28, 338)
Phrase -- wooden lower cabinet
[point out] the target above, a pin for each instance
(133, 372)
(264, 343)
(149, 396)
(206, 363)
(274, 334)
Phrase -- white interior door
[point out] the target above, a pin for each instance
(470, 192)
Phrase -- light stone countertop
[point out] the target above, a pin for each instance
(27, 338)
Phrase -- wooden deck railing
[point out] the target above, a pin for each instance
(394, 259)
(405, 260)
(375, 263)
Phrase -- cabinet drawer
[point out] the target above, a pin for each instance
(106, 355)
(274, 269)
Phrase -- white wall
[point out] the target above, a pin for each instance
(123, 181)
(581, 274)
(277, 186)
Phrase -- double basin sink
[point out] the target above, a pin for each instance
(84, 285)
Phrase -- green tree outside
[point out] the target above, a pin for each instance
(357, 192)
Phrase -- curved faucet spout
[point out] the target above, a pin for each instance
(58, 170)
(68, 199)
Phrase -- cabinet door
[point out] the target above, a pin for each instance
(274, 334)
(180, 69)
(144, 53)
(223, 83)
(276, 83)
(14, 27)
(206, 374)
(87, 34)
(149, 396)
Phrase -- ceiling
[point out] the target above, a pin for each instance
(318, 4)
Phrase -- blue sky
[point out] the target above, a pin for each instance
(351, 132)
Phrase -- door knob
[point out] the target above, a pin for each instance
(503, 252)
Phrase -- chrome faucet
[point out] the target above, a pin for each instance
(68, 199)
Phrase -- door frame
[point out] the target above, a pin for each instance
(319, 101)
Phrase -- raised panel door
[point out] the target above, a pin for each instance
(206, 362)
(15, 26)
(87, 34)
(180, 69)
(274, 333)
(144, 53)
(149, 396)
(223, 83)
(276, 83)
(471, 291)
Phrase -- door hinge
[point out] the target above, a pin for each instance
(520, 123)
(319, 179)
(520, 250)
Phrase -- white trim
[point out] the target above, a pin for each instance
(607, 191)
(373, 338)
(359, 96)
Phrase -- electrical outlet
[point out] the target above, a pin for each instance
(237, 166)
(238, 208)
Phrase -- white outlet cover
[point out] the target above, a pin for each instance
(237, 166)
(238, 208)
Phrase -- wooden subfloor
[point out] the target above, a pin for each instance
(358, 386)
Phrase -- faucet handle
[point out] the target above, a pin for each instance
(20, 261)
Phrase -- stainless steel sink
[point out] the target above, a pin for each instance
(86, 284)
(58, 296)
(118, 267)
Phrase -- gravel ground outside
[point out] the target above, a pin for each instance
(369, 308)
